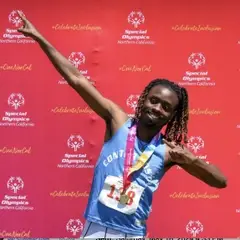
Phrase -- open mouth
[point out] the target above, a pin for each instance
(153, 116)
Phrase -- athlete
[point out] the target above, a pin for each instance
(135, 155)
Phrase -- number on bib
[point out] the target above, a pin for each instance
(112, 189)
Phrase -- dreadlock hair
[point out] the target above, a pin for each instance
(177, 128)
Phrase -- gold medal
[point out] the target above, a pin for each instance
(124, 199)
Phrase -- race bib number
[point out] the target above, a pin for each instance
(110, 195)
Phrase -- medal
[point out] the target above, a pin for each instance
(128, 161)
(124, 199)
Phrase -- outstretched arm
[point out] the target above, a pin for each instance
(102, 106)
(208, 173)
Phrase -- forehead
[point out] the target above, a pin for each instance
(165, 94)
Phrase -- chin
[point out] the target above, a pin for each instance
(150, 123)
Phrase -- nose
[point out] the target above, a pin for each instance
(157, 108)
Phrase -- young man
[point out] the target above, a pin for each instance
(135, 155)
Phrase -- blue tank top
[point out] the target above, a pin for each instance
(111, 162)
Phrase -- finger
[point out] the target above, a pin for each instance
(173, 155)
(21, 30)
(171, 145)
(177, 152)
(22, 16)
(178, 155)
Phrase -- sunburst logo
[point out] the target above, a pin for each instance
(196, 60)
(136, 18)
(132, 101)
(74, 226)
(16, 100)
(15, 184)
(77, 58)
(15, 19)
(75, 142)
(195, 143)
(194, 228)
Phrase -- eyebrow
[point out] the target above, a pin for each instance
(166, 102)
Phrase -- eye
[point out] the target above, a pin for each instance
(167, 107)
(153, 100)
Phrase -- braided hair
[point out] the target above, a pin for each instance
(177, 129)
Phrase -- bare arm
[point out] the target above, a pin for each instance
(101, 105)
(208, 173)
(198, 168)
(76, 80)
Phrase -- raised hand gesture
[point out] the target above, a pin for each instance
(27, 29)
(179, 154)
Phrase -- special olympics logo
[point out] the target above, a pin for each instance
(74, 226)
(136, 18)
(77, 58)
(75, 142)
(196, 60)
(132, 101)
(194, 228)
(195, 143)
(15, 184)
(14, 18)
(16, 100)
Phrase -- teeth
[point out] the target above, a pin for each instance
(153, 115)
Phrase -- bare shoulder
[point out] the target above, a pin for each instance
(118, 118)
(167, 159)
(118, 115)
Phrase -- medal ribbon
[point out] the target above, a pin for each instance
(143, 158)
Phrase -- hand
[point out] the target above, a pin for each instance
(179, 154)
(27, 29)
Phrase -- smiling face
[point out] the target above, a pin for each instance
(159, 106)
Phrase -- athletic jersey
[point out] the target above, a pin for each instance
(109, 167)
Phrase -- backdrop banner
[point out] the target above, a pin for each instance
(50, 138)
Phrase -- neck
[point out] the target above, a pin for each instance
(146, 133)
